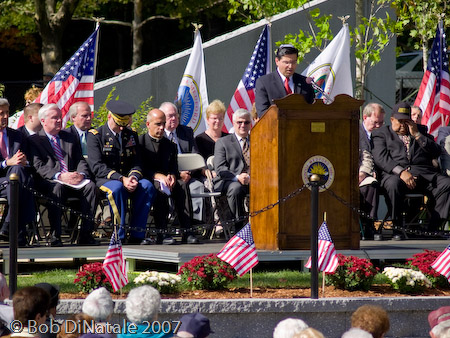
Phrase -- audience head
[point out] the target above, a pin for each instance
(4, 113)
(99, 305)
(142, 304)
(75, 326)
(51, 118)
(81, 115)
(373, 116)
(371, 318)
(31, 303)
(4, 289)
(194, 325)
(242, 122)
(401, 116)
(32, 94)
(416, 114)
(156, 122)
(354, 332)
(441, 330)
(172, 116)
(289, 327)
(286, 60)
(119, 115)
(53, 291)
(30, 116)
(437, 316)
(309, 333)
(215, 115)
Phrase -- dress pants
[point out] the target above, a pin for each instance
(236, 193)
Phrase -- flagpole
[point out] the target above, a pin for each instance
(270, 45)
(97, 27)
(251, 283)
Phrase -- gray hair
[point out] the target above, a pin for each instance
(241, 112)
(442, 330)
(99, 305)
(370, 108)
(165, 107)
(142, 304)
(289, 327)
(42, 114)
(355, 332)
(73, 110)
(4, 102)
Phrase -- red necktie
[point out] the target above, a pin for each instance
(3, 146)
(286, 86)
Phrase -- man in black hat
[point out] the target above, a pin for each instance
(404, 155)
(113, 156)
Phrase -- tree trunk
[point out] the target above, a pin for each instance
(51, 53)
(360, 65)
(138, 40)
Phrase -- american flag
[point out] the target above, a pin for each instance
(442, 263)
(240, 251)
(114, 265)
(259, 65)
(434, 91)
(328, 261)
(73, 82)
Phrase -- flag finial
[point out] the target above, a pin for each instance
(344, 19)
(197, 26)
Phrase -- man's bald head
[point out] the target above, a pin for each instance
(156, 120)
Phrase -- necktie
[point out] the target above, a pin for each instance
(119, 139)
(59, 155)
(406, 142)
(246, 153)
(83, 144)
(286, 86)
(174, 140)
(3, 146)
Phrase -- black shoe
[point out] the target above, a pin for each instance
(398, 237)
(148, 241)
(22, 243)
(132, 241)
(55, 242)
(378, 237)
(168, 240)
(4, 235)
(88, 240)
(191, 239)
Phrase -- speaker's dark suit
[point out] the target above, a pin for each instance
(47, 166)
(17, 141)
(391, 158)
(270, 87)
(228, 163)
(161, 157)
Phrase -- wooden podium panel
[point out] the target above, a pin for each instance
(291, 132)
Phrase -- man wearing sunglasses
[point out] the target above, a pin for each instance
(232, 164)
(282, 82)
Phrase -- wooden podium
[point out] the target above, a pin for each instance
(288, 134)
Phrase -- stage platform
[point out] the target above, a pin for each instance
(179, 254)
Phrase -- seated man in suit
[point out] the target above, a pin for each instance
(405, 158)
(114, 159)
(62, 173)
(81, 116)
(31, 120)
(373, 118)
(183, 137)
(282, 82)
(232, 164)
(13, 159)
(160, 166)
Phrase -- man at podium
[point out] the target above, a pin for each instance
(282, 82)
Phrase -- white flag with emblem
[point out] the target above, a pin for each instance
(331, 69)
(192, 94)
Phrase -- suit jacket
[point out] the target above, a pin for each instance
(73, 131)
(228, 160)
(390, 155)
(270, 87)
(44, 158)
(443, 132)
(186, 139)
(107, 160)
(24, 131)
(162, 160)
(16, 141)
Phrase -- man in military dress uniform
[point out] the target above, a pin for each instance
(113, 158)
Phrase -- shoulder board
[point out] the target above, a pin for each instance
(93, 131)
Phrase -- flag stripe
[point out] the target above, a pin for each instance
(327, 259)
(114, 264)
(442, 263)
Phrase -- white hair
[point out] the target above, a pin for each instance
(4, 102)
(73, 110)
(441, 330)
(241, 112)
(289, 327)
(165, 107)
(355, 332)
(43, 111)
(142, 304)
(99, 305)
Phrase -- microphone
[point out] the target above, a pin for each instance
(310, 80)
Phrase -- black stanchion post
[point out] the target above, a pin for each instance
(13, 226)
(314, 179)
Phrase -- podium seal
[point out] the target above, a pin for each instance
(319, 165)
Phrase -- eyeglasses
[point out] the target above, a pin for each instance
(243, 122)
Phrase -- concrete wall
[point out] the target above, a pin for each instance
(227, 56)
(256, 318)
